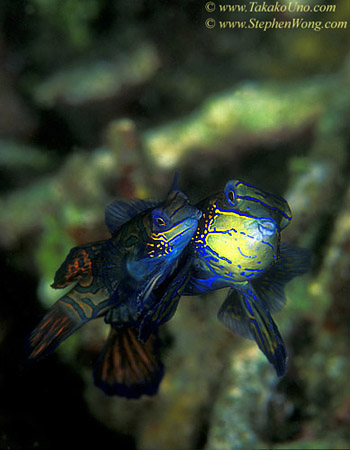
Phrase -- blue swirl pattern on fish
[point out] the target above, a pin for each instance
(115, 278)
(237, 245)
(157, 253)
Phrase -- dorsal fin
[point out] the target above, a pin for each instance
(174, 184)
(121, 211)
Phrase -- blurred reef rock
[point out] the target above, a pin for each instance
(218, 389)
(88, 123)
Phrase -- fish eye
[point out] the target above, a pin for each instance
(230, 193)
(160, 222)
(231, 197)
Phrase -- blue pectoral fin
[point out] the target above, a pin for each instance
(128, 367)
(121, 211)
(163, 301)
(133, 295)
(162, 312)
(293, 261)
(246, 315)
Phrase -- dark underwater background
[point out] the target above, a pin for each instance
(103, 99)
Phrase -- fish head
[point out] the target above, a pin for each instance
(256, 202)
(238, 236)
(173, 223)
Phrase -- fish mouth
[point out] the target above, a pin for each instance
(197, 214)
(187, 230)
(267, 227)
(192, 213)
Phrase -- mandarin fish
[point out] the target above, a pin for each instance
(237, 245)
(115, 278)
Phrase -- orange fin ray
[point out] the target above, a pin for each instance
(59, 323)
(68, 314)
(77, 265)
(128, 367)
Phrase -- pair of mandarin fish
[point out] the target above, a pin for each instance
(160, 251)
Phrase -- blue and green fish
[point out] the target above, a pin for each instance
(158, 253)
(115, 278)
(237, 245)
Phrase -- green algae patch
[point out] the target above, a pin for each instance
(252, 111)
